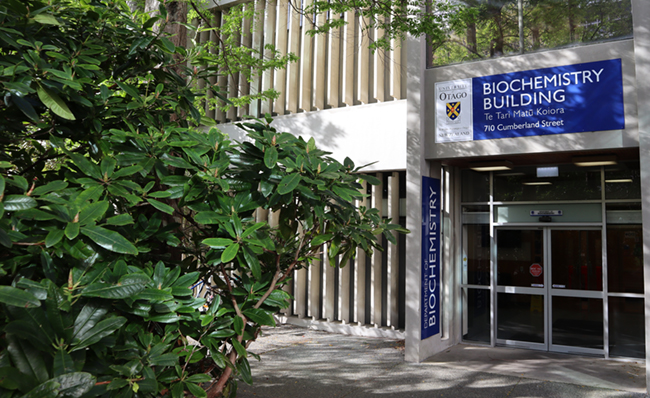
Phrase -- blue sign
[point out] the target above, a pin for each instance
(431, 257)
(563, 99)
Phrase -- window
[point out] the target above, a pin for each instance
(485, 29)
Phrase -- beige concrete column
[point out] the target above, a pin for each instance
(269, 38)
(349, 57)
(364, 61)
(320, 64)
(314, 290)
(360, 273)
(294, 68)
(396, 70)
(376, 274)
(246, 41)
(641, 21)
(282, 46)
(393, 254)
(380, 68)
(257, 43)
(329, 299)
(344, 293)
(334, 66)
(307, 62)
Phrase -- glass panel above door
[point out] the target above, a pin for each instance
(527, 184)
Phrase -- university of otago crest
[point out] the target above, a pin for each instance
(453, 110)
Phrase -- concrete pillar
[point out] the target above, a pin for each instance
(333, 97)
(364, 61)
(349, 58)
(307, 61)
(282, 46)
(257, 42)
(376, 274)
(641, 20)
(294, 67)
(269, 38)
(393, 255)
(360, 274)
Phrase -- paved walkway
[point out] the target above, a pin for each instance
(299, 362)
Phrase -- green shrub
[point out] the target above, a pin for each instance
(113, 204)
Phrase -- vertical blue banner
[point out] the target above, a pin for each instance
(431, 257)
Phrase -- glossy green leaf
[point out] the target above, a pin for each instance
(217, 243)
(128, 286)
(252, 229)
(18, 298)
(244, 369)
(270, 157)
(320, 239)
(46, 19)
(92, 212)
(253, 263)
(19, 202)
(260, 316)
(51, 100)
(5, 239)
(56, 185)
(289, 183)
(72, 230)
(109, 240)
(241, 351)
(26, 358)
(99, 331)
(161, 206)
(122, 219)
(238, 324)
(25, 107)
(89, 316)
(230, 253)
(195, 390)
(48, 389)
(63, 362)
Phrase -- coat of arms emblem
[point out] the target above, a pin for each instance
(453, 110)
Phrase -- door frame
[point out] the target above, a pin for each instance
(547, 292)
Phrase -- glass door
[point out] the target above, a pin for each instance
(521, 294)
(549, 289)
(576, 291)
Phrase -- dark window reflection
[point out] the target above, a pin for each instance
(475, 186)
(517, 251)
(625, 259)
(520, 317)
(476, 325)
(577, 322)
(626, 327)
(477, 249)
(577, 259)
(623, 181)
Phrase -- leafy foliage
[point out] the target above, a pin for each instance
(113, 204)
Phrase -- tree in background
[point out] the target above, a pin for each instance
(113, 203)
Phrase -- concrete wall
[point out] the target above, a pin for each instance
(364, 133)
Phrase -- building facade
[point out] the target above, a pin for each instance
(516, 150)
(538, 150)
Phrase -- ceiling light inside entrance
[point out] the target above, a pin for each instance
(537, 183)
(495, 165)
(619, 180)
(586, 161)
